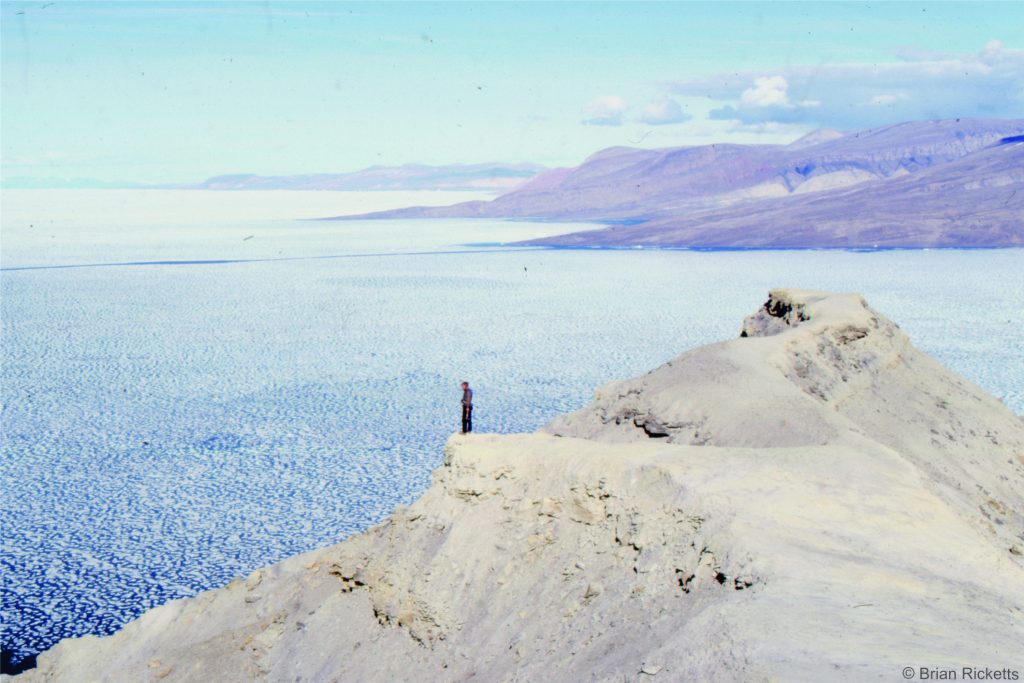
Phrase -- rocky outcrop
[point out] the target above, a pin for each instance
(815, 500)
(814, 369)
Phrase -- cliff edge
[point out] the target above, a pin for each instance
(814, 500)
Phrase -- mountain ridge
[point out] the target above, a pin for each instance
(451, 177)
(492, 176)
(974, 201)
(652, 190)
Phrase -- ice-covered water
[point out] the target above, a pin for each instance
(168, 426)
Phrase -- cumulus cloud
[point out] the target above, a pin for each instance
(768, 91)
(772, 91)
(663, 112)
(608, 110)
(888, 99)
(920, 85)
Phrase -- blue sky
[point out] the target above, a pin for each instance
(171, 92)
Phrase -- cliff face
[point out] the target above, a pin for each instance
(816, 500)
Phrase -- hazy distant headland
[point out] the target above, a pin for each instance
(950, 183)
(497, 177)
(459, 177)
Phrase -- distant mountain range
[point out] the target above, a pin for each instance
(484, 177)
(493, 176)
(928, 183)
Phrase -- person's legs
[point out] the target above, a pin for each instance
(465, 419)
(469, 418)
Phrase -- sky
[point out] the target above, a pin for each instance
(180, 91)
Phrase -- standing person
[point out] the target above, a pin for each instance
(467, 408)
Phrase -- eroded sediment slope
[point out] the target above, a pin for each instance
(815, 369)
(814, 501)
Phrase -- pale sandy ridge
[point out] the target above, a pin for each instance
(814, 501)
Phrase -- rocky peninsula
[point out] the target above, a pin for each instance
(813, 500)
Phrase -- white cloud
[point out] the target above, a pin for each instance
(663, 112)
(783, 131)
(992, 50)
(888, 99)
(768, 91)
(608, 110)
(918, 85)
(772, 91)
